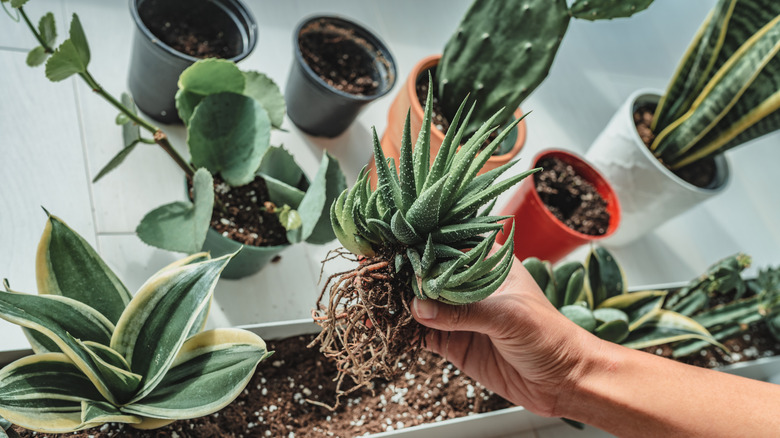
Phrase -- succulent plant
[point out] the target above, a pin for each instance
(520, 37)
(102, 355)
(595, 297)
(429, 216)
(725, 91)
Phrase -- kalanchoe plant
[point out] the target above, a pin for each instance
(521, 38)
(725, 91)
(726, 303)
(102, 355)
(229, 115)
(595, 297)
(420, 233)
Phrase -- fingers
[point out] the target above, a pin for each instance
(475, 317)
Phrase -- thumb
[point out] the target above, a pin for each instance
(474, 317)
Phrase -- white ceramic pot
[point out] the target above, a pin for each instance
(648, 192)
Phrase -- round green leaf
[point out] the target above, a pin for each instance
(581, 316)
(228, 134)
(211, 76)
(36, 57)
(263, 89)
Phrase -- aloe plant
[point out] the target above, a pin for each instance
(428, 214)
(724, 92)
(229, 115)
(102, 355)
(503, 50)
(595, 297)
(726, 303)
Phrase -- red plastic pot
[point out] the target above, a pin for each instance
(538, 233)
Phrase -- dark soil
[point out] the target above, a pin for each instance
(274, 403)
(700, 173)
(341, 58)
(439, 120)
(246, 217)
(188, 32)
(571, 198)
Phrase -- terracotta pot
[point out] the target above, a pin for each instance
(538, 233)
(320, 109)
(649, 193)
(406, 99)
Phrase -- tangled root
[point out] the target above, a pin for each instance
(367, 323)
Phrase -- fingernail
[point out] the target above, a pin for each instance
(426, 309)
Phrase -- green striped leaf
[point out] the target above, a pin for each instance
(210, 371)
(44, 392)
(448, 147)
(406, 167)
(403, 230)
(469, 205)
(639, 306)
(422, 148)
(481, 289)
(161, 316)
(615, 331)
(666, 326)
(387, 182)
(462, 231)
(95, 413)
(423, 214)
(67, 265)
(605, 276)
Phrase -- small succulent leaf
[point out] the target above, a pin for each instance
(423, 215)
(422, 148)
(561, 276)
(608, 315)
(212, 76)
(639, 306)
(131, 132)
(281, 193)
(264, 90)
(290, 219)
(417, 289)
(605, 276)
(460, 165)
(615, 331)
(432, 287)
(666, 326)
(573, 291)
(485, 154)
(448, 147)
(36, 56)
(279, 164)
(406, 168)
(160, 317)
(442, 251)
(480, 182)
(95, 413)
(403, 231)
(471, 204)
(228, 134)
(181, 226)
(692, 303)
(541, 273)
(482, 290)
(47, 28)
(428, 257)
(119, 381)
(606, 9)
(106, 354)
(118, 159)
(210, 371)
(67, 265)
(416, 262)
(737, 311)
(579, 315)
(43, 392)
(71, 57)
(121, 119)
(333, 183)
(385, 231)
(387, 184)
(462, 231)
(481, 264)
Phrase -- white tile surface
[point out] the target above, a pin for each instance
(55, 137)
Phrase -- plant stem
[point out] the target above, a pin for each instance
(45, 46)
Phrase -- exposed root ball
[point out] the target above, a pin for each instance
(367, 323)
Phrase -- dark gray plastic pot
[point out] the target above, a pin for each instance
(320, 109)
(155, 66)
(249, 261)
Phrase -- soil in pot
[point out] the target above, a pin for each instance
(188, 32)
(247, 214)
(700, 173)
(439, 120)
(341, 58)
(275, 404)
(571, 198)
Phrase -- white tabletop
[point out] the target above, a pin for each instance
(55, 137)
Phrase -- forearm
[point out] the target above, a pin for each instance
(631, 393)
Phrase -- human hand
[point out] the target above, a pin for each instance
(514, 342)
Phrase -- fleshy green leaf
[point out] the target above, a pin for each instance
(579, 315)
(325, 187)
(67, 265)
(290, 219)
(203, 78)
(210, 371)
(666, 326)
(160, 317)
(228, 135)
(181, 226)
(264, 90)
(607, 9)
(422, 148)
(95, 413)
(281, 193)
(279, 164)
(605, 277)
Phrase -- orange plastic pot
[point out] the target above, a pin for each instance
(538, 233)
(406, 101)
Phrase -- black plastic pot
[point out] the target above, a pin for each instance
(155, 65)
(315, 106)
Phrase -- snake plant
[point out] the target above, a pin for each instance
(726, 90)
(103, 355)
(229, 115)
(595, 297)
(428, 215)
(502, 50)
